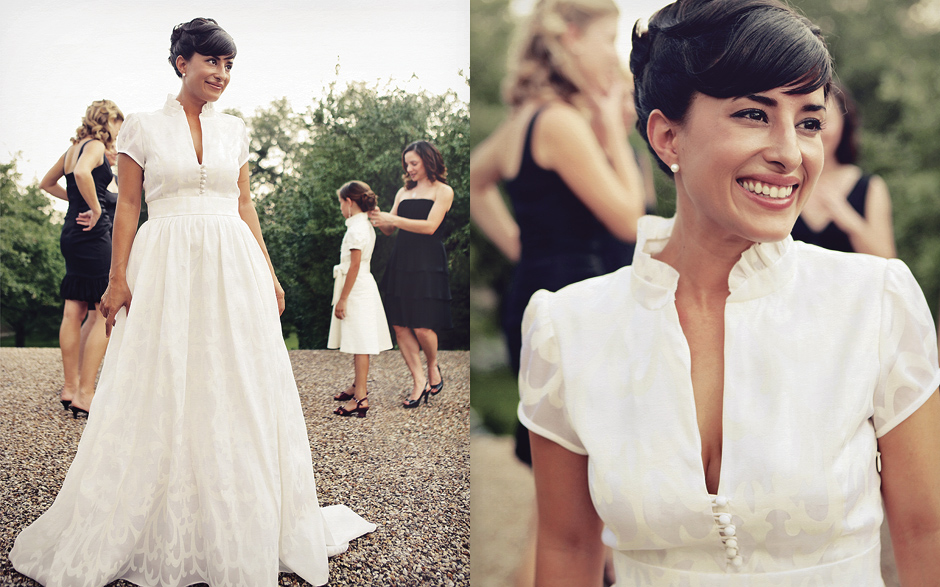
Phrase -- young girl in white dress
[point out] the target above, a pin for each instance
(358, 325)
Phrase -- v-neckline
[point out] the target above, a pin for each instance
(192, 141)
(689, 396)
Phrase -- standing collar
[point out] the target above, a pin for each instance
(357, 217)
(762, 268)
(172, 106)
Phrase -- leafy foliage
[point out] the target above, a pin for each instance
(31, 266)
(354, 133)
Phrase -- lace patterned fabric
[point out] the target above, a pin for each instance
(195, 464)
(824, 353)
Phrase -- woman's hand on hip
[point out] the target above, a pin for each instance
(88, 219)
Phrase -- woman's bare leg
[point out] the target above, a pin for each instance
(411, 352)
(360, 391)
(70, 343)
(427, 338)
(96, 343)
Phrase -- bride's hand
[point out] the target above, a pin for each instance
(117, 295)
(279, 293)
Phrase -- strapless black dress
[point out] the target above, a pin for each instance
(415, 286)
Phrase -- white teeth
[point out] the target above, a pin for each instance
(771, 191)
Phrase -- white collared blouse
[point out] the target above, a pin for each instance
(162, 144)
(824, 353)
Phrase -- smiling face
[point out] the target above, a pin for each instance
(206, 76)
(414, 166)
(748, 164)
(595, 53)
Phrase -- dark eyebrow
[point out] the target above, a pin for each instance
(761, 100)
(771, 103)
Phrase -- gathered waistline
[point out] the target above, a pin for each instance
(193, 205)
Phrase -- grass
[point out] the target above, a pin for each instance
(494, 396)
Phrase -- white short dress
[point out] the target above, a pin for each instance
(195, 464)
(364, 330)
(825, 352)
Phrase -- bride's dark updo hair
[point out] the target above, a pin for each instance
(200, 35)
(723, 49)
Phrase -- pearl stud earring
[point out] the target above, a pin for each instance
(674, 167)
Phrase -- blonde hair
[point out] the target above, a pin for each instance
(97, 122)
(540, 66)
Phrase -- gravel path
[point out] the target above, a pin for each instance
(405, 470)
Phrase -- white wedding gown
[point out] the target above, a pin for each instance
(195, 464)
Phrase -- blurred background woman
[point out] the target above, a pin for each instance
(562, 154)
(850, 210)
(416, 280)
(86, 246)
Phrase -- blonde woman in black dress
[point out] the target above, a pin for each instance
(86, 246)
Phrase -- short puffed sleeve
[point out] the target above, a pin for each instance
(907, 350)
(356, 236)
(542, 407)
(131, 140)
(243, 146)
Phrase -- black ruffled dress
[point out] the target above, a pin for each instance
(415, 285)
(87, 253)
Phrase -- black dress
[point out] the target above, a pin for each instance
(832, 237)
(415, 284)
(562, 243)
(87, 253)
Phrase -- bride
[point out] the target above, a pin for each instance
(195, 464)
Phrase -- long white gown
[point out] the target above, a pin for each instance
(195, 464)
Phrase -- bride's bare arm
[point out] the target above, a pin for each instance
(246, 209)
(126, 215)
(570, 551)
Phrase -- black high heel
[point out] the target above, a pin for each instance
(343, 396)
(414, 403)
(77, 411)
(436, 389)
(358, 411)
(65, 404)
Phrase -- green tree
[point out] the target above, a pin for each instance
(356, 133)
(31, 266)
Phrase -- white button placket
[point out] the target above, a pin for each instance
(202, 179)
(726, 530)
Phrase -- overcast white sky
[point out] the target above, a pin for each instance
(59, 56)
